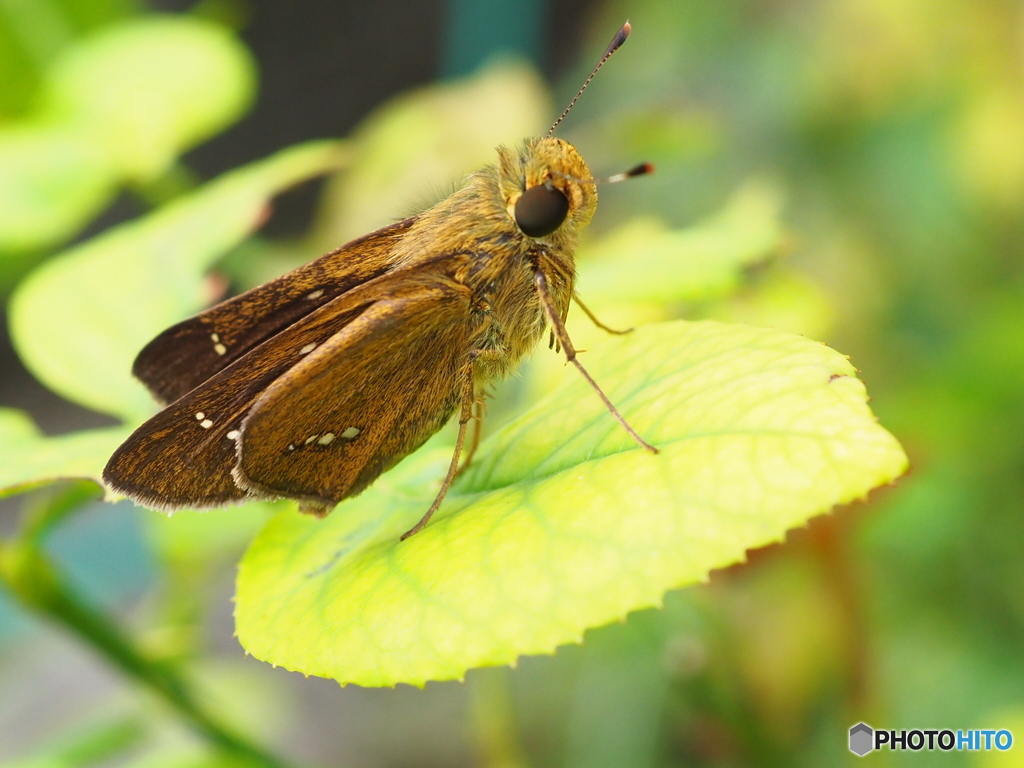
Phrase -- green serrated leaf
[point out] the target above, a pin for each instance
(28, 459)
(147, 89)
(562, 523)
(79, 320)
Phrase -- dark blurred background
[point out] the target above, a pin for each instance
(896, 130)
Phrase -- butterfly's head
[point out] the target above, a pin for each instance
(547, 188)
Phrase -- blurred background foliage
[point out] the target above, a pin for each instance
(893, 130)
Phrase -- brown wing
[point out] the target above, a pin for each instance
(360, 403)
(184, 455)
(187, 354)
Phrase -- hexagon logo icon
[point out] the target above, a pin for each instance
(861, 739)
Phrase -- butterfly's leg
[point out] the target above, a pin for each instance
(478, 420)
(558, 329)
(594, 320)
(465, 416)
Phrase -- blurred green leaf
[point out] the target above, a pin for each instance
(79, 320)
(28, 39)
(201, 536)
(424, 141)
(52, 181)
(120, 104)
(146, 90)
(86, 746)
(28, 459)
(562, 523)
(676, 265)
(194, 757)
(784, 298)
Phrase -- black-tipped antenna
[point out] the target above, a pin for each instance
(613, 46)
(637, 170)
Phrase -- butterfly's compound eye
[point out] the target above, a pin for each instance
(541, 210)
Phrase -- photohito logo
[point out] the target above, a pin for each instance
(864, 739)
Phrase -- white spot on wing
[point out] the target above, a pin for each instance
(327, 439)
(220, 349)
(214, 337)
(315, 295)
(200, 416)
(232, 435)
(308, 348)
(309, 440)
(206, 424)
(351, 432)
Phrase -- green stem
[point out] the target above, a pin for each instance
(36, 583)
(494, 723)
